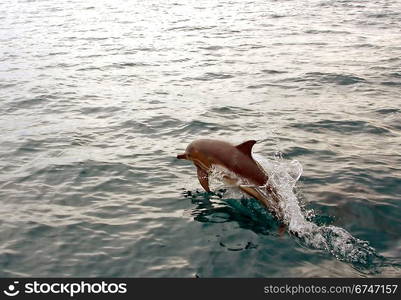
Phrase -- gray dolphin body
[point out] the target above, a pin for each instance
(207, 153)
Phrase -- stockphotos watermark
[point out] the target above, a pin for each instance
(71, 289)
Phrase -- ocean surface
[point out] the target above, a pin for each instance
(98, 97)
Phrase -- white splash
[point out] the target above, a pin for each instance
(283, 175)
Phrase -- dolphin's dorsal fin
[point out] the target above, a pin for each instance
(246, 147)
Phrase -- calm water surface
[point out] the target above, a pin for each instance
(98, 97)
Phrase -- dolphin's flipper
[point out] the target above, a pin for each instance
(203, 178)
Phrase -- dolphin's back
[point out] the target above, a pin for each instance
(230, 157)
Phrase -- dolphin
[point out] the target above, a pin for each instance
(241, 170)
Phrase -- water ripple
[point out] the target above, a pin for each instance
(343, 126)
(98, 98)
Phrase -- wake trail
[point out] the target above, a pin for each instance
(283, 175)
